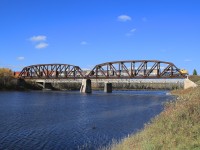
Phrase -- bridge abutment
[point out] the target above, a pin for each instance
(86, 86)
(189, 84)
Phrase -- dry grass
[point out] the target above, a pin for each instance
(194, 78)
(177, 127)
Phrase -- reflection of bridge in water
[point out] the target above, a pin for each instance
(132, 69)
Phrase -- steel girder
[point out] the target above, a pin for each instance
(52, 71)
(129, 69)
(135, 69)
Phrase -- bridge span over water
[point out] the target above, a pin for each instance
(128, 73)
(129, 69)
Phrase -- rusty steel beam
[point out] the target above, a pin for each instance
(128, 70)
(51, 71)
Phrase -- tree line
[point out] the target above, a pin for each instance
(7, 80)
(195, 72)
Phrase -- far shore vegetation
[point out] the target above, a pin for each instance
(7, 79)
(177, 127)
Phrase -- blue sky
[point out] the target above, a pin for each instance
(90, 32)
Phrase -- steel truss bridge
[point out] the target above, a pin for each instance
(130, 69)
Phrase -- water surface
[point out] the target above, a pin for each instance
(54, 120)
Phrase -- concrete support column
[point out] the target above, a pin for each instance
(44, 85)
(86, 86)
(108, 87)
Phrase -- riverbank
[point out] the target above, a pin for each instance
(177, 127)
(9, 84)
(13, 84)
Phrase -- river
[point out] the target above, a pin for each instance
(70, 120)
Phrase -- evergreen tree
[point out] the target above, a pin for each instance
(194, 72)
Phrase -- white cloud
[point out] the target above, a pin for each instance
(131, 32)
(144, 19)
(187, 60)
(20, 58)
(84, 43)
(124, 18)
(39, 41)
(38, 38)
(128, 34)
(41, 45)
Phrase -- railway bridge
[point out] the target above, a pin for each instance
(117, 71)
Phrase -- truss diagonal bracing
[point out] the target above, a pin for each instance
(52, 71)
(111, 70)
(135, 69)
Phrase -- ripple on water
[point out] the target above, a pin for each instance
(70, 120)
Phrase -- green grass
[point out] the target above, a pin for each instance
(177, 127)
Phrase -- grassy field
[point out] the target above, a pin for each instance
(177, 127)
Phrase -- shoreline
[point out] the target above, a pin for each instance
(176, 127)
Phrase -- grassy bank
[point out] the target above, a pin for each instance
(194, 78)
(177, 127)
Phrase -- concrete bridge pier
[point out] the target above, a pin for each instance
(108, 87)
(86, 86)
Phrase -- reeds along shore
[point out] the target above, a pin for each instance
(177, 127)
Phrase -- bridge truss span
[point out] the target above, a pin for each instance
(52, 71)
(135, 69)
